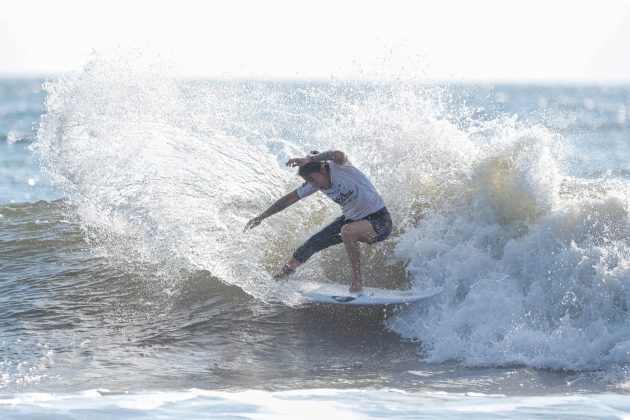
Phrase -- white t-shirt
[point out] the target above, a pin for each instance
(350, 189)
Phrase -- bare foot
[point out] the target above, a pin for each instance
(286, 271)
(280, 276)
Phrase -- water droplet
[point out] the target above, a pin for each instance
(13, 136)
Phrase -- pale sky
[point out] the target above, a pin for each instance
(533, 40)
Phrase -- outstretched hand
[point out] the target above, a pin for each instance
(300, 161)
(252, 223)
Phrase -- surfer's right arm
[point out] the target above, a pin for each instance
(276, 207)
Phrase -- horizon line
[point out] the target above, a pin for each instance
(331, 78)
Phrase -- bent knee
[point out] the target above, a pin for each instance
(353, 232)
(347, 233)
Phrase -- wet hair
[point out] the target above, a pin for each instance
(311, 166)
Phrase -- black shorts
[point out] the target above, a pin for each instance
(331, 235)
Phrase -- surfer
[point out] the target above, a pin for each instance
(365, 217)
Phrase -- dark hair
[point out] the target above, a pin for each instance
(311, 166)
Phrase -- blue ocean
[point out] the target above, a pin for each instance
(129, 289)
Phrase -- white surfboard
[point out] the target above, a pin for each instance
(337, 294)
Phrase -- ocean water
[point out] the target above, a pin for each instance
(129, 286)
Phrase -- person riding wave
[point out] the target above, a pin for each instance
(365, 217)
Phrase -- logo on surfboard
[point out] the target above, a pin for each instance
(343, 298)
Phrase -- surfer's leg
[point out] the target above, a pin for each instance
(328, 236)
(351, 235)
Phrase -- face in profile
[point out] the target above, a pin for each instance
(319, 179)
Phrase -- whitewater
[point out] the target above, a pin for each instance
(137, 276)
